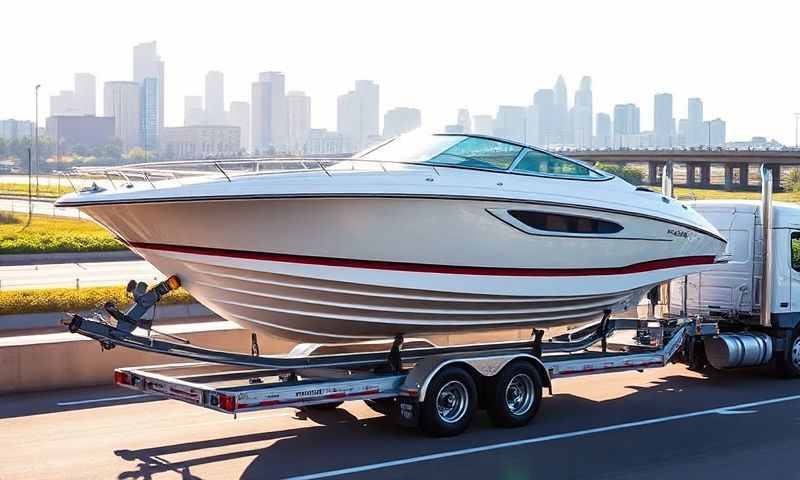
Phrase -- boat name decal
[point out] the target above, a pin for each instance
(678, 233)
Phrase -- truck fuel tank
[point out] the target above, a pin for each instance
(744, 349)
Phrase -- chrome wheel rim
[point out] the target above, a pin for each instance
(519, 394)
(796, 353)
(452, 401)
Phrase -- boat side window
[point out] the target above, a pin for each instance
(795, 245)
(553, 222)
(479, 153)
(543, 163)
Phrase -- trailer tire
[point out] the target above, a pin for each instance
(789, 363)
(515, 395)
(450, 402)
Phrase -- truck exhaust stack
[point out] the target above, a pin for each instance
(766, 229)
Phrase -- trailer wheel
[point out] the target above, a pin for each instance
(449, 404)
(515, 395)
(789, 363)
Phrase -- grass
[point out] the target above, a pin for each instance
(46, 191)
(48, 234)
(74, 300)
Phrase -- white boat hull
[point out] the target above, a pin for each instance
(345, 269)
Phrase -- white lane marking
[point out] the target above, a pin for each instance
(546, 438)
(100, 400)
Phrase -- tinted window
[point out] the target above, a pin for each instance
(796, 251)
(479, 153)
(540, 162)
(551, 222)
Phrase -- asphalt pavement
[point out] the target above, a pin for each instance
(76, 274)
(663, 423)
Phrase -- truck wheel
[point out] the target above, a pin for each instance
(789, 363)
(515, 395)
(449, 404)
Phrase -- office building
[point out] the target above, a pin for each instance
(626, 123)
(148, 64)
(298, 106)
(561, 130)
(581, 115)
(193, 113)
(400, 120)
(84, 130)
(464, 120)
(357, 115)
(544, 110)
(510, 123)
(663, 122)
(149, 120)
(85, 94)
(269, 113)
(603, 131)
(215, 98)
(200, 141)
(482, 124)
(715, 132)
(63, 104)
(15, 129)
(324, 142)
(695, 133)
(121, 102)
(239, 116)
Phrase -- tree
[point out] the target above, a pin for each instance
(632, 175)
(134, 155)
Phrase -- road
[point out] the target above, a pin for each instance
(664, 423)
(66, 274)
(39, 207)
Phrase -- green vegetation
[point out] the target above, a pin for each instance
(74, 300)
(705, 194)
(48, 234)
(632, 175)
(48, 191)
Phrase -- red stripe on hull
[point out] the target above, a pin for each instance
(428, 268)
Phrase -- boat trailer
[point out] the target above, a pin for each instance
(416, 382)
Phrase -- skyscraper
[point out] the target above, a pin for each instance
(510, 123)
(85, 94)
(482, 124)
(193, 110)
(299, 113)
(148, 64)
(268, 111)
(149, 121)
(562, 132)
(215, 98)
(545, 112)
(603, 129)
(581, 115)
(400, 120)
(464, 120)
(716, 132)
(694, 127)
(63, 104)
(626, 122)
(357, 117)
(239, 116)
(121, 100)
(663, 123)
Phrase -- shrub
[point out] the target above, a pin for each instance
(792, 180)
(51, 234)
(74, 300)
(8, 218)
(632, 175)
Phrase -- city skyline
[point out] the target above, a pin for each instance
(630, 57)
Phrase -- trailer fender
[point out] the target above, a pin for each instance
(486, 366)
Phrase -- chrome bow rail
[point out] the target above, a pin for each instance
(228, 169)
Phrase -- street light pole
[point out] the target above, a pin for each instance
(796, 117)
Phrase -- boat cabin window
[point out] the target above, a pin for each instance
(796, 251)
(552, 222)
(543, 163)
(479, 153)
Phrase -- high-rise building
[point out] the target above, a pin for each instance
(148, 64)
(149, 121)
(193, 113)
(510, 123)
(561, 130)
(85, 94)
(200, 141)
(324, 142)
(603, 129)
(663, 123)
(84, 130)
(121, 100)
(15, 129)
(482, 124)
(268, 111)
(357, 115)
(626, 122)
(63, 104)
(298, 106)
(400, 120)
(239, 116)
(215, 98)
(694, 127)
(715, 132)
(581, 115)
(545, 113)
(464, 120)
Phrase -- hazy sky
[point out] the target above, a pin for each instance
(741, 58)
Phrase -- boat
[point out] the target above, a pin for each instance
(422, 234)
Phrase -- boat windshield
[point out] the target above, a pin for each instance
(457, 150)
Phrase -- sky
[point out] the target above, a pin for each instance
(740, 57)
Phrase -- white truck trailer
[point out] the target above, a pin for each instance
(717, 318)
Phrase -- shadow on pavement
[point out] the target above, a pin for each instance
(36, 403)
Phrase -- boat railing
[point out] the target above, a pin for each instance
(155, 173)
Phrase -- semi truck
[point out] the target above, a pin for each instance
(742, 313)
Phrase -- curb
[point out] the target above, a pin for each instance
(11, 259)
